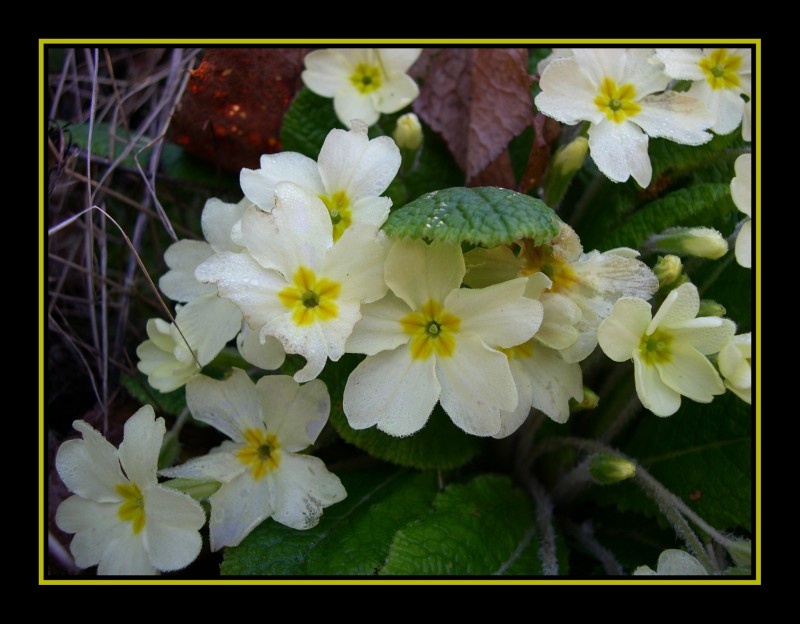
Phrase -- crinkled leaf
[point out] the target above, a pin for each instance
(307, 122)
(672, 159)
(168, 402)
(233, 107)
(478, 99)
(353, 536)
(485, 215)
(486, 527)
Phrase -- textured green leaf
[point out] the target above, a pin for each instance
(352, 537)
(307, 122)
(731, 285)
(703, 454)
(673, 159)
(170, 402)
(485, 216)
(485, 527)
(701, 204)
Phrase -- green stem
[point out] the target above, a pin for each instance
(544, 519)
(584, 535)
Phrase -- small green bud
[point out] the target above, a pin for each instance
(709, 307)
(669, 271)
(698, 241)
(590, 400)
(197, 489)
(741, 553)
(566, 162)
(408, 132)
(606, 469)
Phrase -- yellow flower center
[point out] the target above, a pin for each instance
(655, 347)
(311, 299)
(338, 205)
(366, 78)
(543, 259)
(132, 507)
(617, 101)
(260, 452)
(432, 330)
(525, 350)
(720, 69)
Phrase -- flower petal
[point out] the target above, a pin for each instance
(141, 445)
(208, 324)
(675, 562)
(353, 106)
(741, 185)
(561, 316)
(218, 219)
(691, 374)
(417, 272)
(644, 72)
(173, 524)
(237, 508)
(512, 420)
(126, 556)
(379, 328)
(614, 273)
(371, 210)
(89, 467)
(744, 245)
(499, 314)
(553, 382)
(294, 413)
(681, 63)
(568, 93)
(356, 262)
(325, 71)
(267, 356)
(183, 257)
(398, 59)
(398, 91)
(392, 390)
(486, 267)
(303, 487)
(654, 394)
(707, 334)
(675, 116)
(259, 185)
(220, 464)
(95, 526)
(620, 334)
(681, 304)
(230, 406)
(620, 151)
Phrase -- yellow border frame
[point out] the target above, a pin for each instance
(369, 581)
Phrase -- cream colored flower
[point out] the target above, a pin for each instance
(673, 562)
(733, 362)
(742, 194)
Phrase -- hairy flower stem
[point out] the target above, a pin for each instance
(584, 535)
(573, 483)
(544, 518)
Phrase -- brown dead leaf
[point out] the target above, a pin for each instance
(500, 172)
(233, 108)
(546, 130)
(478, 99)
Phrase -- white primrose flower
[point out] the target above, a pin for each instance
(619, 92)
(363, 82)
(673, 562)
(125, 522)
(669, 349)
(741, 192)
(733, 362)
(293, 283)
(262, 472)
(430, 340)
(349, 175)
(747, 121)
(583, 286)
(721, 76)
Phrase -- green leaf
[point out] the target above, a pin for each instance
(485, 527)
(703, 454)
(485, 216)
(730, 284)
(698, 205)
(307, 122)
(170, 402)
(674, 160)
(353, 536)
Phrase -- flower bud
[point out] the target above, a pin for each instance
(566, 162)
(408, 133)
(709, 307)
(589, 401)
(606, 469)
(741, 552)
(669, 271)
(698, 241)
(198, 489)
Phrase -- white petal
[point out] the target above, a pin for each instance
(126, 556)
(164, 371)
(267, 356)
(492, 266)
(208, 324)
(218, 219)
(538, 283)
(675, 116)
(417, 272)
(141, 445)
(356, 262)
(371, 210)
(654, 394)
(326, 71)
(599, 63)
(220, 464)
(726, 103)
(350, 162)
(553, 382)
(568, 93)
(747, 121)
(499, 314)
(259, 185)
(561, 316)
(741, 185)
(512, 420)
(680, 305)
(95, 526)
(745, 394)
(398, 91)
(230, 406)
(734, 362)
(298, 231)
(614, 274)
(294, 413)
(351, 105)
(237, 508)
(379, 328)
(393, 390)
(706, 334)
(644, 72)
(744, 246)
(303, 487)
(644, 571)
(183, 257)
(89, 467)
(398, 59)
(620, 334)
(620, 151)
(691, 374)
(476, 386)
(172, 526)
(681, 63)
(674, 562)
(245, 282)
